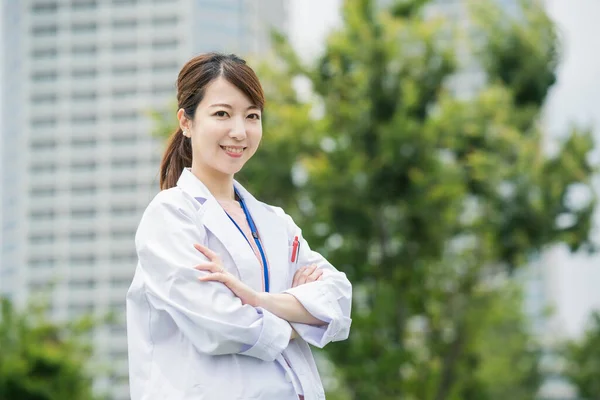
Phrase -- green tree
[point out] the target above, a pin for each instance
(429, 200)
(40, 360)
(582, 367)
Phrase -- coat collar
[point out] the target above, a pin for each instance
(271, 230)
(193, 186)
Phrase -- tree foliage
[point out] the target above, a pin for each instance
(583, 361)
(41, 360)
(428, 200)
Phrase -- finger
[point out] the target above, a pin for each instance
(304, 278)
(209, 267)
(211, 255)
(297, 275)
(311, 268)
(315, 275)
(215, 277)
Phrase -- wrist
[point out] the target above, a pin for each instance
(262, 299)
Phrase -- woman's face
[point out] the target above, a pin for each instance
(226, 129)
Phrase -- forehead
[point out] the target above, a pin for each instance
(222, 91)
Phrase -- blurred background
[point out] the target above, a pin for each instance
(443, 153)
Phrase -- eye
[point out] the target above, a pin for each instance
(254, 116)
(221, 114)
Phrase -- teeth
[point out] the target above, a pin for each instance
(236, 150)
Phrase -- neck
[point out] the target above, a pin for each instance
(220, 185)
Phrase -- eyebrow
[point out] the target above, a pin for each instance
(224, 105)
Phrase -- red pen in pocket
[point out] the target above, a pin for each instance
(295, 248)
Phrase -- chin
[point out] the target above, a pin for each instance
(231, 170)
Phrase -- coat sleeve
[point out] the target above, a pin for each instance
(207, 313)
(329, 299)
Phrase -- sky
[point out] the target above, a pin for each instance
(573, 279)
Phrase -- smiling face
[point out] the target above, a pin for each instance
(225, 131)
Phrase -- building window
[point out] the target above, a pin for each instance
(44, 76)
(84, 50)
(125, 257)
(43, 168)
(124, 70)
(124, 47)
(124, 24)
(124, 187)
(44, 53)
(165, 67)
(45, 7)
(122, 234)
(84, 73)
(84, 27)
(83, 189)
(42, 215)
(83, 213)
(42, 262)
(42, 191)
(43, 122)
(83, 143)
(84, 4)
(41, 238)
(163, 89)
(124, 2)
(122, 93)
(47, 144)
(44, 31)
(165, 44)
(165, 21)
(124, 139)
(85, 283)
(123, 210)
(83, 165)
(43, 98)
(82, 236)
(83, 96)
(83, 119)
(124, 163)
(82, 259)
(121, 283)
(124, 116)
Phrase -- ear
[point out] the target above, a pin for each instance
(184, 122)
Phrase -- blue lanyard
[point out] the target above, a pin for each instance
(255, 236)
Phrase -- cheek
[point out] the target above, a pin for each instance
(256, 134)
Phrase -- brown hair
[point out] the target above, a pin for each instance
(192, 81)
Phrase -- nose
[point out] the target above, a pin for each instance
(238, 130)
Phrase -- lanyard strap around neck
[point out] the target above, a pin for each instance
(254, 232)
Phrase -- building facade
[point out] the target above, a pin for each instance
(79, 163)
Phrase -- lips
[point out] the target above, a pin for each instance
(234, 151)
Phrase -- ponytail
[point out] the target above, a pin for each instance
(177, 156)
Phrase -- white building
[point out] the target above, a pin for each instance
(78, 161)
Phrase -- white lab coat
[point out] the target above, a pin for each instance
(195, 340)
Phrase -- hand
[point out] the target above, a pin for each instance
(307, 274)
(218, 274)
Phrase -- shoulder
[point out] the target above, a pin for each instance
(168, 204)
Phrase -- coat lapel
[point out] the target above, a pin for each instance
(218, 223)
(215, 220)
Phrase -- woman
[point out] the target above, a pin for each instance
(218, 308)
